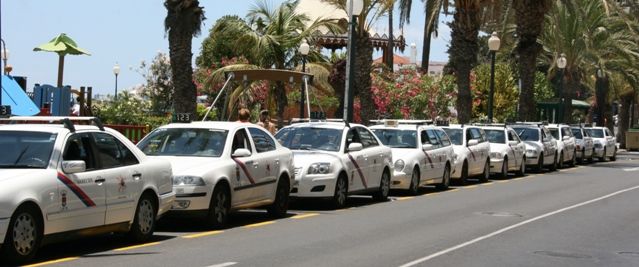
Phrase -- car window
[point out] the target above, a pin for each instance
(307, 138)
(263, 142)
(512, 136)
(191, 142)
(565, 131)
(432, 137)
(477, 134)
(367, 138)
(496, 136)
(240, 140)
(397, 138)
(595, 133)
(352, 137)
(547, 135)
(22, 149)
(528, 134)
(455, 135)
(443, 137)
(608, 133)
(111, 153)
(577, 133)
(554, 132)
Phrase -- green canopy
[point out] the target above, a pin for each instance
(62, 45)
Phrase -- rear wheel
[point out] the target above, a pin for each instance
(23, 236)
(592, 156)
(504, 169)
(573, 161)
(384, 188)
(280, 205)
(560, 164)
(144, 221)
(553, 166)
(413, 189)
(583, 155)
(341, 192)
(220, 206)
(445, 179)
(486, 174)
(540, 163)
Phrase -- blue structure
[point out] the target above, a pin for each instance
(57, 100)
(14, 96)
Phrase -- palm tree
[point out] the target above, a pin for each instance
(432, 9)
(273, 35)
(183, 21)
(372, 11)
(530, 18)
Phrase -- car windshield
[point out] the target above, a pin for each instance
(596, 133)
(310, 138)
(496, 136)
(191, 142)
(456, 136)
(528, 134)
(397, 138)
(22, 149)
(577, 133)
(554, 132)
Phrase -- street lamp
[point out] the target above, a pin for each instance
(354, 8)
(493, 46)
(5, 58)
(304, 49)
(561, 64)
(116, 72)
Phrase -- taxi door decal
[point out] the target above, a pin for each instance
(359, 171)
(76, 190)
(471, 153)
(245, 170)
(429, 160)
(514, 154)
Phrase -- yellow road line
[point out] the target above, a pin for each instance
(52, 262)
(469, 187)
(259, 224)
(302, 216)
(502, 181)
(453, 190)
(484, 184)
(137, 246)
(203, 234)
(405, 198)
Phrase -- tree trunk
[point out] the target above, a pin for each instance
(389, 54)
(601, 92)
(363, 62)
(337, 80)
(463, 56)
(566, 97)
(282, 102)
(624, 117)
(426, 47)
(184, 88)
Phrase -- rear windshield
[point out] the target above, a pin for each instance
(22, 149)
(528, 134)
(496, 136)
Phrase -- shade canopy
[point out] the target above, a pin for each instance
(63, 45)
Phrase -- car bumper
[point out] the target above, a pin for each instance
(191, 198)
(496, 165)
(4, 226)
(401, 180)
(315, 186)
(599, 152)
(166, 201)
(584, 153)
(532, 161)
(457, 170)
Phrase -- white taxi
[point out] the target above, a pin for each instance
(566, 144)
(605, 143)
(335, 159)
(507, 151)
(219, 167)
(60, 181)
(541, 147)
(423, 154)
(585, 145)
(472, 152)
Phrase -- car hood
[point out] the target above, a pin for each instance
(8, 175)
(533, 145)
(190, 165)
(305, 158)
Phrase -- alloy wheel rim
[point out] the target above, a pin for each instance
(385, 184)
(341, 194)
(145, 217)
(414, 181)
(220, 207)
(24, 234)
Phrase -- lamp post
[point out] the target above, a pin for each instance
(354, 8)
(304, 49)
(116, 72)
(561, 64)
(493, 46)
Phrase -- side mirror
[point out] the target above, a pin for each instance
(241, 152)
(355, 147)
(473, 142)
(513, 143)
(427, 147)
(74, 166)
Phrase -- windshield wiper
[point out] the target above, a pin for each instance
(21, 154)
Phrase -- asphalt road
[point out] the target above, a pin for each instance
(583, 216)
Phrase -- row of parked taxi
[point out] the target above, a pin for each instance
(62, 180)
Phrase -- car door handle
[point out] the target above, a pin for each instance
(256, 164)
(100, 180)
(137, 176)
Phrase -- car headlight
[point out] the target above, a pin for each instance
(495, 155)
(399, 165)
(319, 168)
(188, 180)
(531, 152)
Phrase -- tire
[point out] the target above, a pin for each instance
(614, 156)
(144, 221)
(540, 163)
(463, 179)
(341, 192)
(553, 167)
(603, 157)
(560, 164)
(592, 157)
(504, 169)
(486, 174)
(220, 206)
(413, 189)
(573, 162)
(522, 168)
(23, 236)
(384, 188)
(280, 205)
(583, 155)
(445, 180)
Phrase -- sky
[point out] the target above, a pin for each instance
(127, 32)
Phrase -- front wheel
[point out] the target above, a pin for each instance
(603, 156)
(463, 179)
(583, 156)
(573, 162)
(540, 163)
(445, 180)
(560, 164)
(219, 207)
(504, 169)
(553, 166)
(280, 205)
(384, 188)
(413, 189)
(341, 192)
(614, 156)
(23, 236)
(144, 221)
(486, 174)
